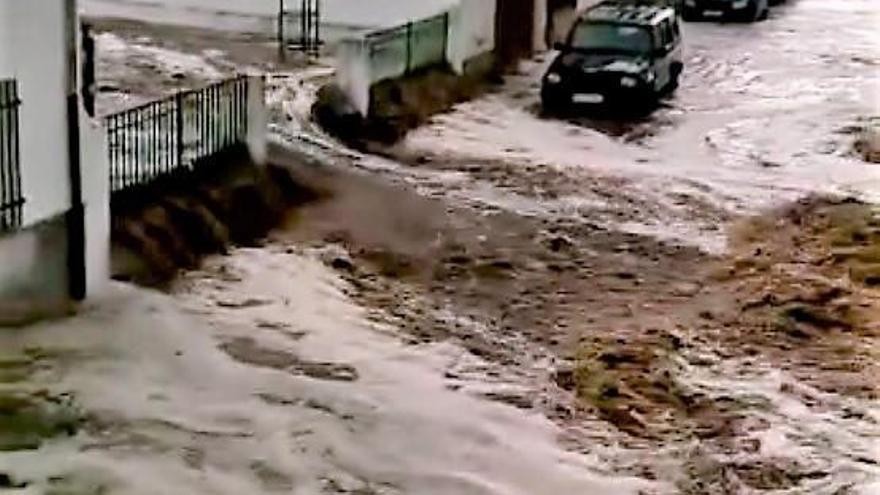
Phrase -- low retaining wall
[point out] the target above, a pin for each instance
(173, 222)
(400, 104)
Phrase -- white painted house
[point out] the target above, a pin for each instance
(54, 242)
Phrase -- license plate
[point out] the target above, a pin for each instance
(588, 98)
(713, 13)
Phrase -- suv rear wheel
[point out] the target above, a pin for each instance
(674, 77)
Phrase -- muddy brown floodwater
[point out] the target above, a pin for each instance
(688, 294)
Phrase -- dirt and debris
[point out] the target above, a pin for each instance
(628, 320)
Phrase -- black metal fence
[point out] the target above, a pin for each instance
(11, 199)
(174, 134)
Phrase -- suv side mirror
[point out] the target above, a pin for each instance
(560, 46)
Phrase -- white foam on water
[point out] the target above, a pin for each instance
(180, 416)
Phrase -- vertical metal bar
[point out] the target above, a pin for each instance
(138, 152)
(111, 148)
(126, 158)
(215, 131)
(230, 112)
(169, 132)
(228, 102)
(317, 27)
(117, 152)
(9, 102)
(16, 159)
(218, 122)
(242, 107)
(148, 159)
(130, 155)
(154, 141)
(245, 121)
(445, 37)
(212, 130)
(203, 128)
(303, 23)
(282, 49)
(112, 145)
(6, 138)
(179, 127)
(409, 36)
(5, 144)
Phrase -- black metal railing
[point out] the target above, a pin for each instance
(176, 133)
(11, 198)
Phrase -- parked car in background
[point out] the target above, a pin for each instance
(617, 55)
(742, 10)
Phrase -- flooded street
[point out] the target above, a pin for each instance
(505, 303)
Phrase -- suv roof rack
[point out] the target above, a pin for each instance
(642, 12)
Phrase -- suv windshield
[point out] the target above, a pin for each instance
(611, 37)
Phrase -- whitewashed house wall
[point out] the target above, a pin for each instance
(471, 31)
(39, 43)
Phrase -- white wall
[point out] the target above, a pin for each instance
(258, 119)
(35, 50)
(35, 55)
(206, 13)
(539, 33)
(471, 31)
(585, 4)
(96, 197)
(353, 72)
(6, 55)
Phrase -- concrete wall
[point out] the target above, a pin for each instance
(96, 196)
(353, 72)
(539, 33)
(471, 31)
(33, 275)
(258, 120)
(471, 34)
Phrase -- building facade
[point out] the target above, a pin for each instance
(53, 172)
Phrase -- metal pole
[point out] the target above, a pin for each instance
(317, 27)
(304, 11)
(281, 47)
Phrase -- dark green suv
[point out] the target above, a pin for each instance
(617, 54)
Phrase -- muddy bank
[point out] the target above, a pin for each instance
(172, 224)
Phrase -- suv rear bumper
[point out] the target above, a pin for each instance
(561, 96)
